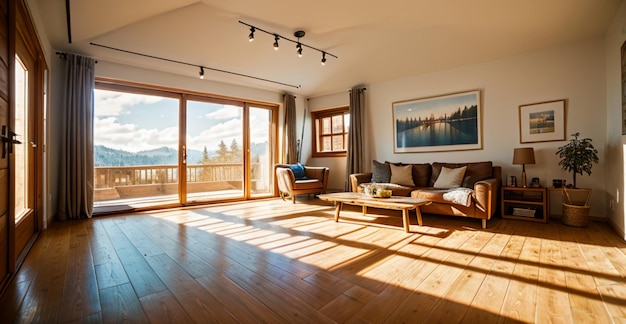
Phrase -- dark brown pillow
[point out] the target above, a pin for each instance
(421, 174)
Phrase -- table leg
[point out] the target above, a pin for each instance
(405, 220)
(364, 209)
(419, 216)
(337, 210)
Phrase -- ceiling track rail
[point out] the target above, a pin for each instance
(69, 21)
(201, 67)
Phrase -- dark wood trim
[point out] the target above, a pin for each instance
(316, 115)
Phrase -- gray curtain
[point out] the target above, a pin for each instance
(76, 170)
(354, 156)
(290, 154)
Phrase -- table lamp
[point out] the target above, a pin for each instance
(523, 156)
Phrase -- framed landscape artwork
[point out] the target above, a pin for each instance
(542, 122)
(443, 123)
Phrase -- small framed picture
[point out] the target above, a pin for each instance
(542, 122)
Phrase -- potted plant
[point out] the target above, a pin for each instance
(577, 156)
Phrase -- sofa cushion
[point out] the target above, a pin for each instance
(381, 172)
(421, 173)
(298, 171)
(461, 196)
(402, 175)
(450, 178)
(475, 172)
(307, 184)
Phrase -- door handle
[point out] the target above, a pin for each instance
(9, 140)
(184, 154)
(33, 144)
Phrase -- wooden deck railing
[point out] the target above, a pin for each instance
(114, 176)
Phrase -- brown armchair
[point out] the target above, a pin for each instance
(288, 186)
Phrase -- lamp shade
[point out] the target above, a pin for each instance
(524, 155)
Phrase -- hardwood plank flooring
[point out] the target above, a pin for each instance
(275, 262)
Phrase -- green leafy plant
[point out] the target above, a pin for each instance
(577, 156)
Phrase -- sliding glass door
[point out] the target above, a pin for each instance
(214, 150)
(261, 150)
(157, 148)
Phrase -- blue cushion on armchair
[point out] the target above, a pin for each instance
(298, 171)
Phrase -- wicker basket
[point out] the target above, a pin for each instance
(576, 209)
(574, 215)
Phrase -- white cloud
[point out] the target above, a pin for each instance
(109, 103)
(211, 137)
(129, 137)
(226, 112)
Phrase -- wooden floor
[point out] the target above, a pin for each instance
(272, 261)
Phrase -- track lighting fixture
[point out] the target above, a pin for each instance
(276, 42)
(251, 36)
(201, 73)
(299, 45)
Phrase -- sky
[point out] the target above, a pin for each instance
(133, 122)
(438, 106)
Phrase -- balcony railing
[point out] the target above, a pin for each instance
(119, 182)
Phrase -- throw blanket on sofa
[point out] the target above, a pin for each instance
(461, 196)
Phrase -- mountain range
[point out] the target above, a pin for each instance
(106, 156)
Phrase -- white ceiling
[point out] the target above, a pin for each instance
(375, 40)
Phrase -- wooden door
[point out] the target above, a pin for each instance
(5, 63)
(23, 129)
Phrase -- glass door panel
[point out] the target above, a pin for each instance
(22, 203)
(135, 150)
(214, 150)
(261, 152)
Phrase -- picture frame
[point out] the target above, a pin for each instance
(450, 122)
(542, 121)
(624, 88)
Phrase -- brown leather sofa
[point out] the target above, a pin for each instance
(481, 181)
(314, 180)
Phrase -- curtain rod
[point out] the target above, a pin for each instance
(64, 56)
(195, 65)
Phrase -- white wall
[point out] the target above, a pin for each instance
(615, 37)
(575, 72)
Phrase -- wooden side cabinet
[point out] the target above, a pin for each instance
(529, 204)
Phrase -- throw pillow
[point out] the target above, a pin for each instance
(381, 172)
(450, 178)
(298, 171)
(402, 175)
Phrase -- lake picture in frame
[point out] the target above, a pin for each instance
(443, 123)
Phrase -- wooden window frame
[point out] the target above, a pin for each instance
(316, 116)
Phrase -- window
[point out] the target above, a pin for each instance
(330, 132)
